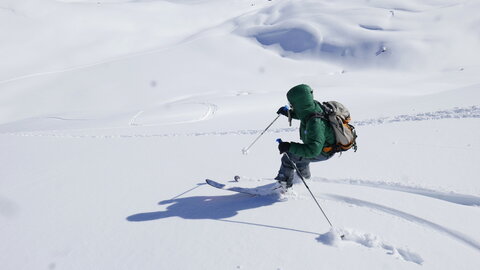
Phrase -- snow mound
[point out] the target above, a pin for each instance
(376, 35)
(335, 236)
(308, 29)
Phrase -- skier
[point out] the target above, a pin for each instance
(315, 134)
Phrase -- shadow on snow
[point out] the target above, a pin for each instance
(212, 207)
(205, 207)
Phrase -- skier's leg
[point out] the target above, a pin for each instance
(304, 169)
(303, 164)
(286, 172)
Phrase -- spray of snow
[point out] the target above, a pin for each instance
(335, 236)
(331, 238)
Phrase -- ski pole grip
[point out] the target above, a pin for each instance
(284, 108)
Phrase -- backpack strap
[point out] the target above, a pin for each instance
(319, 115)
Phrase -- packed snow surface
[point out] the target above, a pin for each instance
(114, 112)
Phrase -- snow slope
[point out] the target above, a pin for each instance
(114, 112)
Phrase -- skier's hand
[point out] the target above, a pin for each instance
(283, 147)
(283, 111)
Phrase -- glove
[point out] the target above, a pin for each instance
(283, 147)
(283, 111)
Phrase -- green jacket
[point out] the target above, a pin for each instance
(314, 132)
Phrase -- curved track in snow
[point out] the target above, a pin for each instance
(456, 198)
(406, 216)
(208, 114)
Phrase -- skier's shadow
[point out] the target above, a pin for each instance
(206, 207)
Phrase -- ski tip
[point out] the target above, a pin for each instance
(215, 184)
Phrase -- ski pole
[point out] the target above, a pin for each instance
(245, 149)
(303, 180)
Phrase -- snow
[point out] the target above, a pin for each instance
(114, 112)
(336, 237)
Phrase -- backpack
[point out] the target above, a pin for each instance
(339, 117)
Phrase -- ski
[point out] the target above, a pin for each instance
(265, 190)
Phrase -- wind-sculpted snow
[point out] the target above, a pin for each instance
(310, 30)
(332, 238)
(374, 35)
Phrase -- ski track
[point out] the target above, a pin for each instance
(406, 216)
(209, 113)
(134, 119)
(372, 241)
(455, 113)
(456, 198)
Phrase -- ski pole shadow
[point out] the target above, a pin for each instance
(205, 207)
(190, 190)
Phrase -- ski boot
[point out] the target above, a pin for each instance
(284, 182)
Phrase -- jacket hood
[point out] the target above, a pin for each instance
(301, 99)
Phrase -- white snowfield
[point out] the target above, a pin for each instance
(114, 112)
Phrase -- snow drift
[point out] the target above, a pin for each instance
(394, 34)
